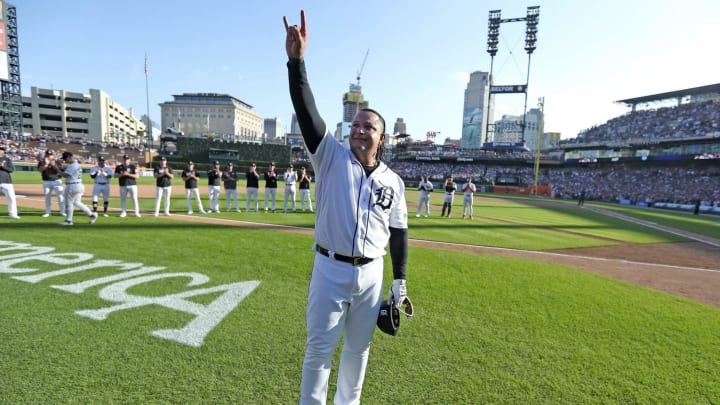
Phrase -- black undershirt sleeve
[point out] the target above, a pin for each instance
(399, 251)
(311, 125)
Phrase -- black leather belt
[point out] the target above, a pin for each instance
(355, 261)
(101, 184)
(72, 183)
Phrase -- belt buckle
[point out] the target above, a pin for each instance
(356, 260)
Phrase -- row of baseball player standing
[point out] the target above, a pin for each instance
(229, 178)
(51, 172)
(425, 187)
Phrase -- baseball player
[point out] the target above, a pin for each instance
(290, 177)
(425, 187)
(127, 175)
(101, 175)
(6, 184)
(270, 186)
(305, 190)
(52, 182)
(450, 189)
(230, 178)
(360, 208)
(214, 176)
(74, 190)
(252, 184)
(468, 189)
(163, 186)
(190, 177)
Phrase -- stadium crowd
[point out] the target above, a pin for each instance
(682, 185)
(682, 121)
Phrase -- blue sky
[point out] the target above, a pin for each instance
(589, 54)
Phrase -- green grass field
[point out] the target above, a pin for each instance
(487, 329)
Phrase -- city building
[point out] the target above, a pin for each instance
(273, 128)
(212, 115)
(353, 101)
(400, 127)
(93, 116)
(475, 110)
(509, 130)
(294, 125)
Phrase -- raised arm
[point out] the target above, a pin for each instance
(311, 125)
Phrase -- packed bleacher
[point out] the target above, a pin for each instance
(691, 120)
(614, 183)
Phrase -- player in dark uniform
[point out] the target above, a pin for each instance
(190, 176)
(304, 185)
(52, 182)
(230, 178)
(450, 189)
(163, 186)
(214, 176)
(252, 185)
(270, 187)
(127, 175)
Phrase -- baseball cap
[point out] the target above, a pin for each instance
(272, 163)
(191, 162)
(126, 157)
(163, 158)
(66, 154)
(101, 159)
(253, 165)
(290, 166)
(49, 152)
(230, 163)
(216, 162)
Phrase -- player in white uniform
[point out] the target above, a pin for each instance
(74, 190)
(468, 189)
(425, 187)
(360, 208)
(290, 177)
(101, 174)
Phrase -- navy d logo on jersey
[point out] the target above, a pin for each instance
(384, 197)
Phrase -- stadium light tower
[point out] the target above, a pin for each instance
(531, 19)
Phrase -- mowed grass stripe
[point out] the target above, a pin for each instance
(487, 330)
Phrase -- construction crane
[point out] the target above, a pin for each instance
(356, 87)
(362, 67)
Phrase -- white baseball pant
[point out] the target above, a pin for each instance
(467, 205)
(162, 194)
(190, 192)
(50, 187)
(232, 195)
(289, 194)
(341, 297)
(73, 198)
(214, 195)
(305, 196)
(124, 190)
(270, 195)
(252, 195)
(9, 191)
(424, 203)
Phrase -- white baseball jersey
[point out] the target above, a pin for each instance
(376, 202)
(468, 189)
(102, 175)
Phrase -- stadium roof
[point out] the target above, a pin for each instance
(694, 91)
